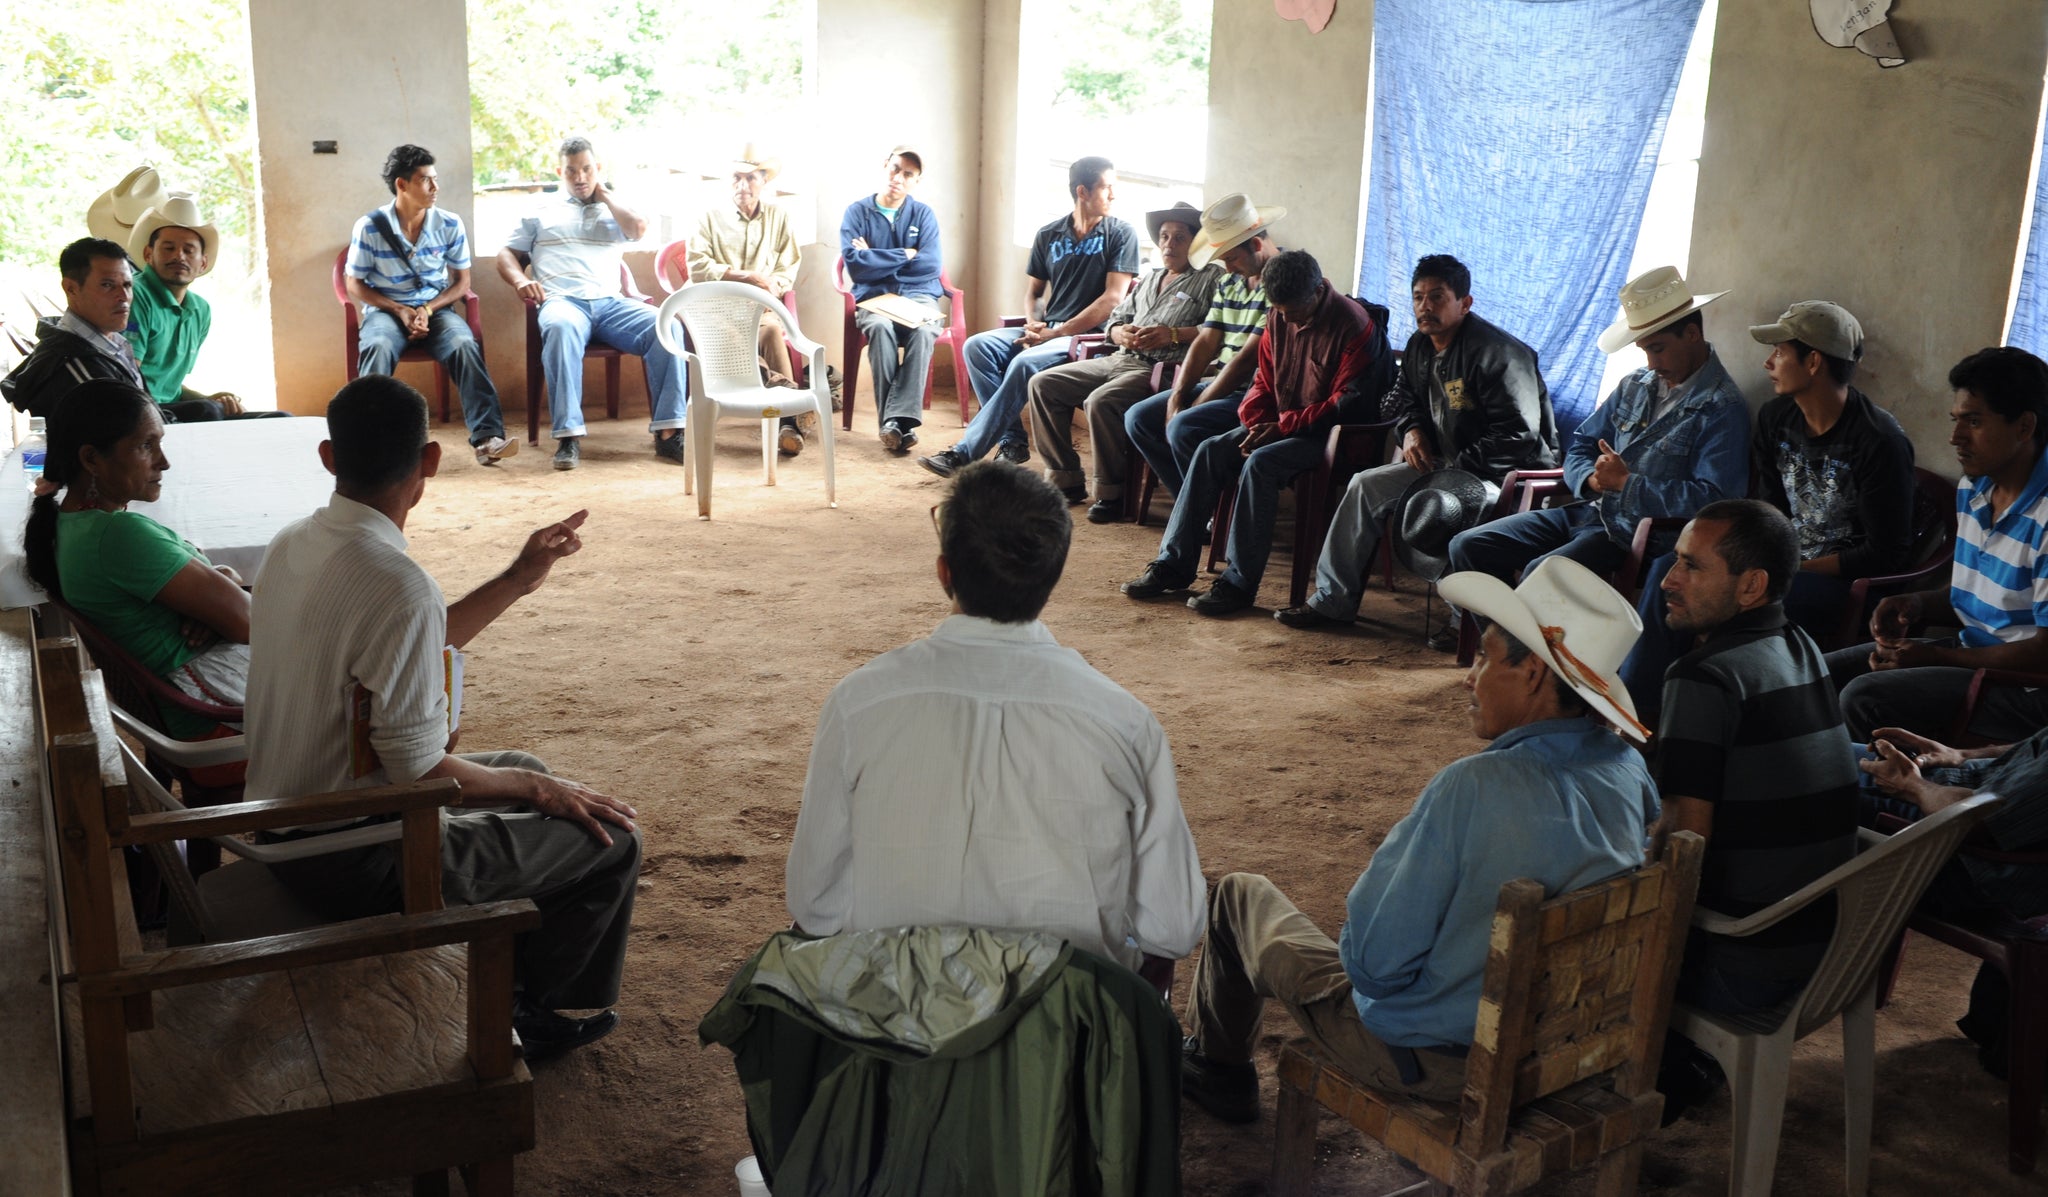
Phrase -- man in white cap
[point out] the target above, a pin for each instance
(1673, 437)
(566, 258)
(749, 241)
(1556, 796)
(1156, 322)
(889, 242)
(409, 270)
(1835, 463)
(1168, 427)
(175, 246)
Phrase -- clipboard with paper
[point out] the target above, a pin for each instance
(907, 312)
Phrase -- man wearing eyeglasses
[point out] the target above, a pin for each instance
(750, 242)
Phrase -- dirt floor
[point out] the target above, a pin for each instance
(681, 664)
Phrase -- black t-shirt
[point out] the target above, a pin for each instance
(1077, 270)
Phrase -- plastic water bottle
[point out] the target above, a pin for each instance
(33, 451)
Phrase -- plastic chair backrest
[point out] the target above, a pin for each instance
(1873, 895)
(724, 323)
(341, 277)
(134, 688)
(1933, 517)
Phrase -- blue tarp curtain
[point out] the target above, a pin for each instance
(2029, 319)
(1520, 136)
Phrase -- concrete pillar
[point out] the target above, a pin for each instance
(1895, 193)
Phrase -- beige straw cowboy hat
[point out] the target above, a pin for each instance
(180, 210)
(1652, 300)
(115, 212)
(1226, 225)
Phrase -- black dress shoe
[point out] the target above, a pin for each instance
(1154, 582)
(1075, 495)
(1014, 454)
(1222, 599)
(943, 463)
(1228, 1091)
(544, 1033)
(1105, 511)
(1306, 616)
(1444, 639)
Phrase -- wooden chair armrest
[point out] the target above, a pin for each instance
(237, 818)
(1013, 322)
(379, 935)
(1092, 348)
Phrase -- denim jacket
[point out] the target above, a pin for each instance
(1697, 453)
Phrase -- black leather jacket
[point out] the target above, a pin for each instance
(1481, 405)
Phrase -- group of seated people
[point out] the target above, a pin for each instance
(987, 776)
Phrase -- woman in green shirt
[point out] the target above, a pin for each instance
(148, 590)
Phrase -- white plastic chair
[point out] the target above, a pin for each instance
(724, 324)
(1873, 895)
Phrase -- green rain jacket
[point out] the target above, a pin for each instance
(940, 1061)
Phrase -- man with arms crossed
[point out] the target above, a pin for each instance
(987, 777)
(890, 244)
(408, 269)
(572, 247)
(347, 688)
(1556, 796)
(1081, 265)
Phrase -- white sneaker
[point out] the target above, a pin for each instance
(492, 450)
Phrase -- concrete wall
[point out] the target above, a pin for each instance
(1287, 123)
(337, 72)
(1001, 259)
(1896, 193)
(921, 60)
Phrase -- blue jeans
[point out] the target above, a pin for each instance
(1509, 547)
(567, 324)
(1001, 373)
(899, 389)
(1221, 462)
(1168, 446)
(448, 338)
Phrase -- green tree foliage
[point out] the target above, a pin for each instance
(540, 70)
(94, 88)
(1159, 58)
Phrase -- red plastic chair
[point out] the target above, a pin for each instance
(1934, 534)
(536, 377)
(352, 328)
(953, 333)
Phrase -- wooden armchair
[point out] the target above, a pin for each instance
(1563, 1068)
(319, 1058)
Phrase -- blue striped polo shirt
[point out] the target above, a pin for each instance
(442, 247)
(1999, 587)
(1238, 310)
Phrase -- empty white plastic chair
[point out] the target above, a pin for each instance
(1873, 895)
(724, 323)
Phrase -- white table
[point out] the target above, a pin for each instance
(232, 485)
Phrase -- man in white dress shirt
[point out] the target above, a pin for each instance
(987, 777)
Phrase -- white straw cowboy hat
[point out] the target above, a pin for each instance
(117, 209)
(1181, 213)
(1569, 616)
(1226, 225)
(1652, 300)
(751, 158)
(177, 210)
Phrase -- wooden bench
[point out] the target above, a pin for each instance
(362, 1050)
(1563, 1068)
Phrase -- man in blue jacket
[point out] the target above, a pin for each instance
(1672, 438)
(890, 243)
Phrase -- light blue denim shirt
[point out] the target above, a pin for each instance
(1565, 802)
(1695, 453)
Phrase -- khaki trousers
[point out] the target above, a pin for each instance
(1107, 387)
(1260, 946)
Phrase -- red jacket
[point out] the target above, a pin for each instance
(1304, 369)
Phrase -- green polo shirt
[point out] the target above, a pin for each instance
(165, 334)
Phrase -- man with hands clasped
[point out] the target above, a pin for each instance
(1998, 591)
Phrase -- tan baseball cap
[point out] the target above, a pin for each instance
(905, 152)
(1817, 323)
